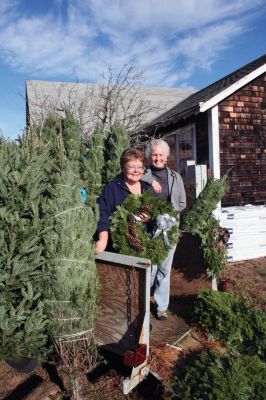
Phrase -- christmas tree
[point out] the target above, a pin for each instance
(71, 134)
(199, 220)
(92, 164)
(73, 292)
(23, 273)
(117, 142)
(202, 208)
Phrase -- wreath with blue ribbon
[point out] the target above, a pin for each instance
(145, 226)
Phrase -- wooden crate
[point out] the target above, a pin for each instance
(124, 318)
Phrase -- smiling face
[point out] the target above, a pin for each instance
(133, 170)
(158, 156)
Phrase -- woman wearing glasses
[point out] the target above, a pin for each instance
(115, 192)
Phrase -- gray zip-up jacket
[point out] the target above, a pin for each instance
(175, 185)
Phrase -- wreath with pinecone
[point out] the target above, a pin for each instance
(145, 226)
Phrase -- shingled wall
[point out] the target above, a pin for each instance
(242, 127)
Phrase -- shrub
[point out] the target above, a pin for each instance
(212, 376)
(232, 320)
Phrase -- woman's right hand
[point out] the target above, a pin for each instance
(156, 186)
(101, 244)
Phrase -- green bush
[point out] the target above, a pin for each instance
(213, 376)
(232, 320)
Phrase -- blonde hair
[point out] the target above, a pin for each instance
(158, 143)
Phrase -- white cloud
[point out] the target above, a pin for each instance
(168, 39)
(163, 17)
(7, 5)
(202, 49)
(7, 10)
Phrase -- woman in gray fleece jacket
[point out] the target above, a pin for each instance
(170, 186)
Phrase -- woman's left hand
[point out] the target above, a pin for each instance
(144, 217)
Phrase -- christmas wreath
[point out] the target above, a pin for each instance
(145, 226)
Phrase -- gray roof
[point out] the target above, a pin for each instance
(44, 97)
(191, 104)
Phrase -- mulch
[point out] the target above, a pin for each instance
(247, 278)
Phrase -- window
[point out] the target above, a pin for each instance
(183, 148)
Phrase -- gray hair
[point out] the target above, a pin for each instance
(157, 142)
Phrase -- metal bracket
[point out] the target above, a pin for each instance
(138, 375)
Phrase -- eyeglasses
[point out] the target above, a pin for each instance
(134, 167)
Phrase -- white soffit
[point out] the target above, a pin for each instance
(204, 106)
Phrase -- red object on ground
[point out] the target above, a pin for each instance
(135, 357)
(224, 285)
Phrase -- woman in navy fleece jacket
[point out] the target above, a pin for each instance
(115, 192)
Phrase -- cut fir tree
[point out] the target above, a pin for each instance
(92, 165)
(117, 141)
(199, 220)
(70, 254)
(23, 273)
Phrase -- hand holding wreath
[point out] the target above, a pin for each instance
(145, 226)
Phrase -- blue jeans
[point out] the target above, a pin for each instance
(160, 279)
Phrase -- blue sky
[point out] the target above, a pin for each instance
(178, 43)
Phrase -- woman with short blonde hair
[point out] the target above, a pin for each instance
(170, 186)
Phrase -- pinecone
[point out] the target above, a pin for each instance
(145, 208)
(131, 218)
(135, 243)
(132, 225)
(225, 235)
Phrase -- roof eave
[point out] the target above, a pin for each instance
(213, 101)
(171, 120)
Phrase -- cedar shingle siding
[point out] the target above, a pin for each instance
(242, 127)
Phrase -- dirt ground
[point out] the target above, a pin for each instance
(247, 278)
(105, 382)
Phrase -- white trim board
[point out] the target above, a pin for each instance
(214, 145)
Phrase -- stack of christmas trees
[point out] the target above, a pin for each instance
(48, 281)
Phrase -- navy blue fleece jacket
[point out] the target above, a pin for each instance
(112, 196)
